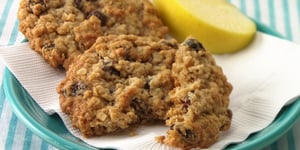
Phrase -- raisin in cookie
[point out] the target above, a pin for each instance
(127, 80)
(120, 81)
(60, 30)
(200, 99)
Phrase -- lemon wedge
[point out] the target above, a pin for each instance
(219, 25)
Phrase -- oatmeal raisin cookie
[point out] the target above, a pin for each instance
(60, 30)
(120, 81)
(127, 80)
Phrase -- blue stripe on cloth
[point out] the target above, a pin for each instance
(44, 145)
(14, 34)
(2, 98)
(257, 10)
(287, 20)
(243, 6)
(14, 120)
(272, 14)
(11, 132)
(13, 38)
(27, 139)
(291, 140)
(4, 15)
(298, 8)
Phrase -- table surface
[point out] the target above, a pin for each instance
(280, 15)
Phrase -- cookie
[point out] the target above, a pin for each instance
(200, 99)
(127, 80)
(60, 30)
(120, 81)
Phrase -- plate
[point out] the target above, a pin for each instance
(52, 129)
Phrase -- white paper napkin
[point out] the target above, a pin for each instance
(265, 77)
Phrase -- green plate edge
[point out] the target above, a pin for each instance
(51, 128)
(48, 127)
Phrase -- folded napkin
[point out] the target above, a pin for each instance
(264, 77)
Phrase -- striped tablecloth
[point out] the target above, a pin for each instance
(281, 15)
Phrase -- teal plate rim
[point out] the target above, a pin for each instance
(51, 128)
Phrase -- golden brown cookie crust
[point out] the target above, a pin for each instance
(127, 80)
(60, 30)
(200, 99)
(119, 81)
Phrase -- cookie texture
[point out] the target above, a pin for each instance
(200, 98)
(60, 30)
(127, 80)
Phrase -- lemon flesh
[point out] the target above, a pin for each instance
(217, 24)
